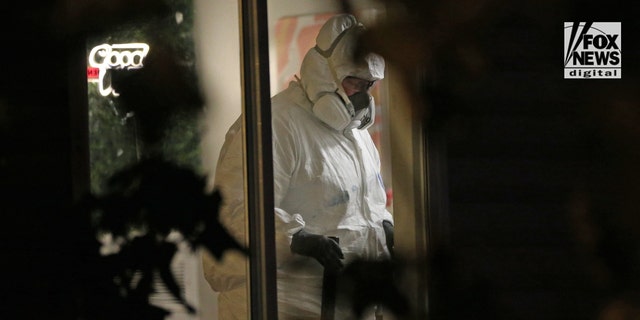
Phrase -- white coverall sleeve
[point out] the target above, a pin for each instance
(229, 272)
(284, 162)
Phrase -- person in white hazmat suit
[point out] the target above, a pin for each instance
(327, 180)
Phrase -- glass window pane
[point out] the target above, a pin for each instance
(143, 104)
(313, 191)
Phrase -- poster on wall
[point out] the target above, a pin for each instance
(295, 35)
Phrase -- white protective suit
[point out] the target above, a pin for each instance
(326, 181)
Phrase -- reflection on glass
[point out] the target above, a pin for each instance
(117, 140)
(320, 187)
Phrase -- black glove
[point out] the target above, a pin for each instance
(320, 247)
(388, 234)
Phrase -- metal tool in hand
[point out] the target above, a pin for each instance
(329, 286)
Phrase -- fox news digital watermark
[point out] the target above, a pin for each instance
(592, 50)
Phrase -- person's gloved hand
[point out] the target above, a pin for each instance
(320, 247)
(388, 233)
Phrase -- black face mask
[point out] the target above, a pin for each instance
(360, 100)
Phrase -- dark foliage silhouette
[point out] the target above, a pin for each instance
(365, 284)
(142, 206)
(464, 62)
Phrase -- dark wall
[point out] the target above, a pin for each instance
(36, 165)
(539, 174)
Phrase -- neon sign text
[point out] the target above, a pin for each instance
(125, 56)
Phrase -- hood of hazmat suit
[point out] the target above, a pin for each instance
(326, 179)
(331, 61)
